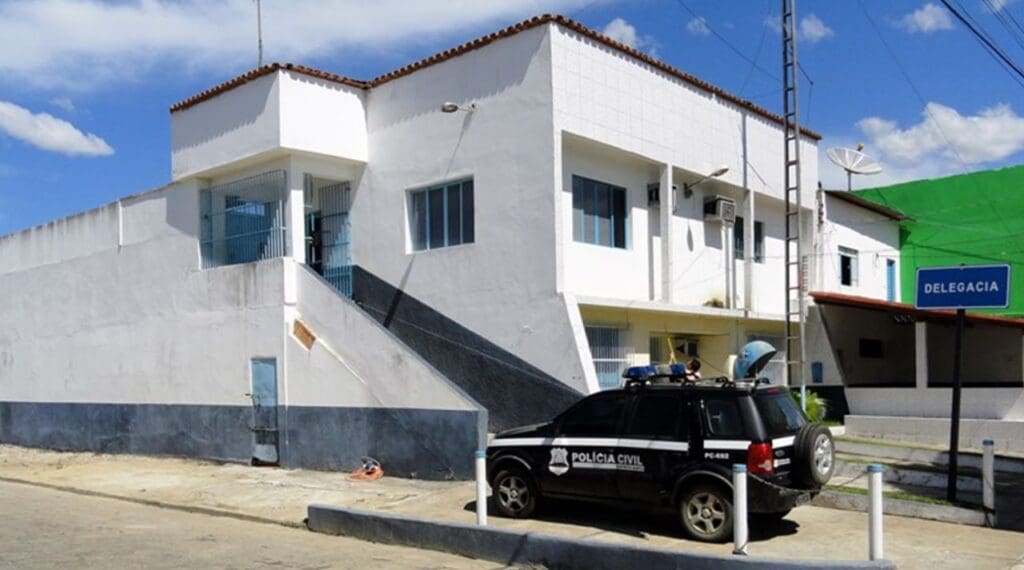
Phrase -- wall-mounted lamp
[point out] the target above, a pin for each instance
(689, 186)
(450, 107)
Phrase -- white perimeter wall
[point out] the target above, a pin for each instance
(94, 321)
(502, 286)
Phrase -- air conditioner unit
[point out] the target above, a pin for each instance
(720, 209)
(654, 193)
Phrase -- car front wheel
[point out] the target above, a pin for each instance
(515, 493)
(706, 512)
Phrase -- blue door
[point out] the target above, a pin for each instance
(264, 411)
(890, 279)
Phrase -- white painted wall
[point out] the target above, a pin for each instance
(269, 116)
(502, 286)
(355, 361)
(601, 94)
(137, 323)
(241, 123)
(874, 236)
(111, 306)
(322, 117)
(976, 403)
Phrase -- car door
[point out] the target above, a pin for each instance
(655, 440)
(725, 430)
(581, 459)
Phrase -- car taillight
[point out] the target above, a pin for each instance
(760, 459)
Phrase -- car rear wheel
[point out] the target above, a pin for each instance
(515, 493)
(706, 512)
(815, 455)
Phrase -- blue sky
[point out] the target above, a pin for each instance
(83, 107)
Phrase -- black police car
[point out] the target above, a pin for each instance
(663, 441)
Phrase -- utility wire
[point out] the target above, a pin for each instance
(1008, 21)
(993, 49)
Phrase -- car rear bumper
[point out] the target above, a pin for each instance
(767, 497)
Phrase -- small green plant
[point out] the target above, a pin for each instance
(816, 408)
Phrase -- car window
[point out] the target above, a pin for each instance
(657, 416)
(722, 417)
(595, 416)
(780, 413)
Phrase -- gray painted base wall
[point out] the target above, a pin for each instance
(426, 444)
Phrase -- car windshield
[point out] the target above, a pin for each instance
(780, 412)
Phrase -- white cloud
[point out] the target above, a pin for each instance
(85, 44)
(698, 27)
(926, 19)
(47, 132)
(811, 28)
(622, 32)
(921, 151)
(63, 103)
(998, 5)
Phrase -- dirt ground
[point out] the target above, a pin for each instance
(282, 495)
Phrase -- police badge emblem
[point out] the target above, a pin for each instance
(559, 464)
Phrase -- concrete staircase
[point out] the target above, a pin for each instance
(921, 470)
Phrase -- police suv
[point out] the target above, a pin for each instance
(664, 441)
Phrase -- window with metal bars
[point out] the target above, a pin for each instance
(610, 355)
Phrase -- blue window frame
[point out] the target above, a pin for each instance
(441, 216)
(600, 215)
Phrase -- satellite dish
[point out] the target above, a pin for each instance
(853, 161)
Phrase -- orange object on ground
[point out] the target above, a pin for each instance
(369, 471)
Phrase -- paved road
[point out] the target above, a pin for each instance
(42, 528)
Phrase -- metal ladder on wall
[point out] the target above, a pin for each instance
(795, 343)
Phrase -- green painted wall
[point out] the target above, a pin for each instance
(972, 219)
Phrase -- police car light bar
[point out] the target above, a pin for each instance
(660, 371)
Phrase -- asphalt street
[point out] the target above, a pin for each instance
(43, 528)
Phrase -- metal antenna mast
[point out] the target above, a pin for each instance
(795, 302)
(259, 32)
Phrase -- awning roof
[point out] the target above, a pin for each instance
(828, 298)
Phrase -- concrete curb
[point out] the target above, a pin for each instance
(900, 507)
(516, 547)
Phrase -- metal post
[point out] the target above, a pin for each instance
(988, 481)
(481, 488)
(954, 426)
(875, 543)
(739, 509)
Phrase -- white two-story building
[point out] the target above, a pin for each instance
(342, 267)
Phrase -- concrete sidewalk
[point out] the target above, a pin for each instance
(281, 496)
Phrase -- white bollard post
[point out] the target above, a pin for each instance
(739, 509)
(988, 481)
(481, 488)
(876, 550)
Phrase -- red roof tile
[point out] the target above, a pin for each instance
(481, 42)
